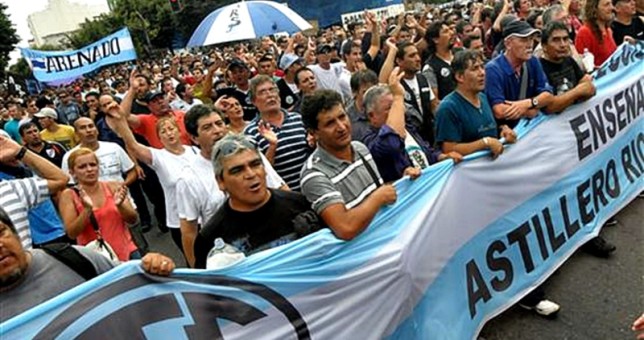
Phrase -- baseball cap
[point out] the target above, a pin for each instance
(323, 48)
(46, 112)
(151, 95)
(288, 59)
(237, 63)
(519, 28)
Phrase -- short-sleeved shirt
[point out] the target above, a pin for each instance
(502, 83)
(53, 152)
(328, 180)
(168, 167)
(65, 135)
(113, 162)
(635, 30)
(458, 121)
(586, 39)
(148, 128)
(329, 78)
(12, 129)
(198, 194)
(292, 147)
(46, 278)
(563, 76)
(269, 226)
(17, 197)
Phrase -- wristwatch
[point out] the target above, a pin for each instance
(534, 102)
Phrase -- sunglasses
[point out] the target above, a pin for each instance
(226, 148)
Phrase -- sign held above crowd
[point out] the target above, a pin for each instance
(53, 66)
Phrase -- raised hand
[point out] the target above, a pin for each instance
(8, 149)
(120, 195)
(267, 132)
(394, 82)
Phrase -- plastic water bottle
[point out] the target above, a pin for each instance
(589, 61)
(223, 255)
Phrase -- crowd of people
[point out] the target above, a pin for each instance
(260, 143)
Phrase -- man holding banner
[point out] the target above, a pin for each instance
(346, 200)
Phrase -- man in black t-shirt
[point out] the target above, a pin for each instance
(626, 22)
(51, 151)
(253, 218)
(571, 85)
(568, 81)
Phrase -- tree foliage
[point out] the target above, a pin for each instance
(20, 68)
(8, 39)
(152, 23)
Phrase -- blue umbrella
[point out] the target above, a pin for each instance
(246, 20)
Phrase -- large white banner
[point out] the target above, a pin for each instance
(462, 244)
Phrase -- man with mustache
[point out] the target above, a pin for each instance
(515, 83)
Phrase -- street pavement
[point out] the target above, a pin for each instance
(599, 298)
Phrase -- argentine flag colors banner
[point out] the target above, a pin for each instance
(53, 66)
(462, 244)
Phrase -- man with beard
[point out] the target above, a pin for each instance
(51, 151)
(440, 38)
(198, 196)
(515, 84)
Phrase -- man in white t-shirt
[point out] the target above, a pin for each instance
(113, 161)
(198, 195)
(328, 75)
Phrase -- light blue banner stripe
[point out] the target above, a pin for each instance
(64, 65)
(443, 311)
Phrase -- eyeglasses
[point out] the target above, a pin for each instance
(226, 148)
(266, 92)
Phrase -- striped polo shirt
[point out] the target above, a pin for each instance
(328, 180)
(17, 196)
(292, 148)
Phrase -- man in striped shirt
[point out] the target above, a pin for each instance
(17, 196)
(279, 134)
(340, 178)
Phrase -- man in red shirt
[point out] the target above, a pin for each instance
(596, 35)
(145, 124)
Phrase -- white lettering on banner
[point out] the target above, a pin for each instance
(83, 57)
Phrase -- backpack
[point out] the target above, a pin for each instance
(72, 258)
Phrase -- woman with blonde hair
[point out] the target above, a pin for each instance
(97, 210)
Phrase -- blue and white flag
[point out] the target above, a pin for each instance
(53, 66)
(462, 244)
